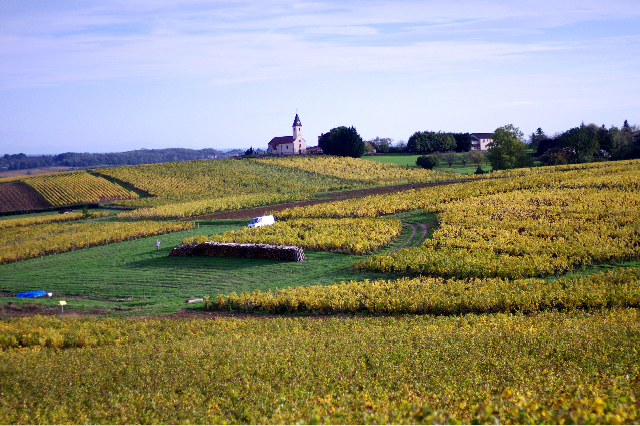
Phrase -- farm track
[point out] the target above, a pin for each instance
(425, 227)
(425, 230)
(321, 199)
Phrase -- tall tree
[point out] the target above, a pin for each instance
(450, 157)
(476, 157)
(463, 141)
(343, 141)
(580, 143)
(381, 144)
(507, 149)
(426, 142)
(536, 137)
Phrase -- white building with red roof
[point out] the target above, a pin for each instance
(289, 145)
(480, 141)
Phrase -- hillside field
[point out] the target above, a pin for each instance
(507, 300)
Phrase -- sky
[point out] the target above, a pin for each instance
(118, 75)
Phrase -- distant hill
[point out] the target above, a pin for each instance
(81, 160)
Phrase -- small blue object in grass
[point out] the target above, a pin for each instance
(39, 293)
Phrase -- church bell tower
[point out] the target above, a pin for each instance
(297, 128)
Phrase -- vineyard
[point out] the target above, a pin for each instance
(519, 303)
(437, 296)
(366, 172)
(62, 189)
(617, 175)
(52, 218)
(202, 207)
(527, 233)
(354, 236)
(551, 367)
(25, 242)
(203, 179)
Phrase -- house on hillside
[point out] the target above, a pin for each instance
(479, 141)
(289, 145)
(314, 150)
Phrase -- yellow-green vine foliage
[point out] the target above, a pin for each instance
(66, 188)
(354, 236)
(25, 242)
(438, 296)
(202, 207)
(557, 368)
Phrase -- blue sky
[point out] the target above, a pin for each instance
(97, 76)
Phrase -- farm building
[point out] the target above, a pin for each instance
(289, 145)
(479, 141)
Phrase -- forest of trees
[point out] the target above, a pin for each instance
(140, 156)
(509, 149)
(581, 144)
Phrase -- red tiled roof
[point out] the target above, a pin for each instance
(279, 140)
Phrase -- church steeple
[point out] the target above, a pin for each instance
(297, 128)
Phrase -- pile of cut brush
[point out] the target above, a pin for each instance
(254, 251)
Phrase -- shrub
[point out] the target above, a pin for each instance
(427, 161)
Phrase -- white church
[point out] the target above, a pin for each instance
(289, 145)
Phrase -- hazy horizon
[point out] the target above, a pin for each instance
(116, 76)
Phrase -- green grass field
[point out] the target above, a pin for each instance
(96, 278)
(409, 160)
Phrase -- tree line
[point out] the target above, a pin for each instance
(584, 143)
(140, 156)
(508, 148)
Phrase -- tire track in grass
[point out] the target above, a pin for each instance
(424, 227)
(413, 234)
(425, 230)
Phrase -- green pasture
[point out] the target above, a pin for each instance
(409, 160)
(106, 277)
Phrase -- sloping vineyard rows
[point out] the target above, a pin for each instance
(526, 233)
(354, 236)
(204, 179)
(39, 220)
(438, 296)
(367, 172)
(77, 187)
(612, 175)
(196, 208)
(25, 242)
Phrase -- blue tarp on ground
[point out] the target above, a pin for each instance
(38, 293)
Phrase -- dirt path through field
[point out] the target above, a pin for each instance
(326, 198)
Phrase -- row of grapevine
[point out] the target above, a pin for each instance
(612, 175)
(209, 179)
(77, 187)
(25, 242)
(202, 207)
(37, 220)
(437, 296)
(367, 172)
(51, 218)
(523, 234)
(354, 236)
